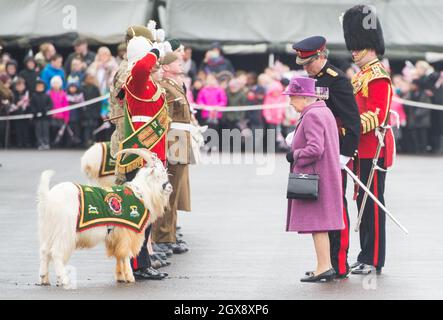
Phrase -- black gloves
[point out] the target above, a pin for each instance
(156, 52)
(290, 157)
(121, 94)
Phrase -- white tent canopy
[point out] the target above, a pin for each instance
(407, 24)
(102, 20)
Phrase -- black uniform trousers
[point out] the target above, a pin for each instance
(373, 224)
(339, 239)
(142, 260)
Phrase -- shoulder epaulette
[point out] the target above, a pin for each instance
(361, 80)
(331, 72)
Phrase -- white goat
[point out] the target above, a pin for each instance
(90, 166)
(58, 213)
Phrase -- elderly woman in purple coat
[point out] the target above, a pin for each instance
(315, 149)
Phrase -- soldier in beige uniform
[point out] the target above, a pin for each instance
(115, 101)
(178, 154)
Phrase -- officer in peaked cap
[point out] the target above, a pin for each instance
(309, 49)
(313, 56)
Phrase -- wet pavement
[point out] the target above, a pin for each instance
(238, 246)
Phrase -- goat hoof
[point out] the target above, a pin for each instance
(120, 278)
(43, 284)
(63, 282)
(44, 281)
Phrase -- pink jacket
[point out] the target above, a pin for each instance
(59, 100)
(397, 107)
(212, 96)
(274, 96)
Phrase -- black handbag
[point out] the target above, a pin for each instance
(302, 186)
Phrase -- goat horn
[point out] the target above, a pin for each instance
(145, 154)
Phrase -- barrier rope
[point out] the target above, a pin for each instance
(55, 111)
(209, 108)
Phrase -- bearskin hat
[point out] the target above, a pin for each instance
(360, 32)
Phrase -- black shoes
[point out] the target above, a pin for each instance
(176, 248)
(158, 262)
(337, 275)
(162, 248)
(365, 269)
(149, 274)
(322, 277)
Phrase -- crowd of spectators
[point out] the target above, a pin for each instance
(46, 83)
(49, 82)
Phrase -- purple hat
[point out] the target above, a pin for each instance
(301, 86)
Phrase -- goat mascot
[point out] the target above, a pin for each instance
(69, 220)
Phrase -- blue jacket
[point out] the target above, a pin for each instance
(49, 72)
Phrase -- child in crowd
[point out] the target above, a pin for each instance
(60, 120)
(41, 103)
(19, 106)
(74, 96)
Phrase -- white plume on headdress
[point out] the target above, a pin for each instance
(167, 46)
(160, 35)
(340, 18)
(151, 25)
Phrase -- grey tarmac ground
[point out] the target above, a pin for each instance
(239, 249)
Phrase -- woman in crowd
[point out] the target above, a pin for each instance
(43, 57)
(103, 69)
(315, 150)
(273, 117)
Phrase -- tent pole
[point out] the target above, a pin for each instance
(271, 60)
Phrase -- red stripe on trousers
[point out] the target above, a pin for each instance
(376, 222)
(134, 263)
(344, 238)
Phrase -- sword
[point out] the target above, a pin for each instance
(375, 166)
(371, 176)
(370, 194)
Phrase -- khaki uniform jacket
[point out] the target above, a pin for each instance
(179, 141)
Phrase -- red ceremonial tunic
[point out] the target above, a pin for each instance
(373, 94)
(141, 97)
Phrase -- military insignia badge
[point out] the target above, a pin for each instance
(92, 210)
(114, 202)
(134, 212)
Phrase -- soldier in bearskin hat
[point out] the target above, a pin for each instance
(373, 92)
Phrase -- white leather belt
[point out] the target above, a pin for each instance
(181, 126)
(141, 119)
